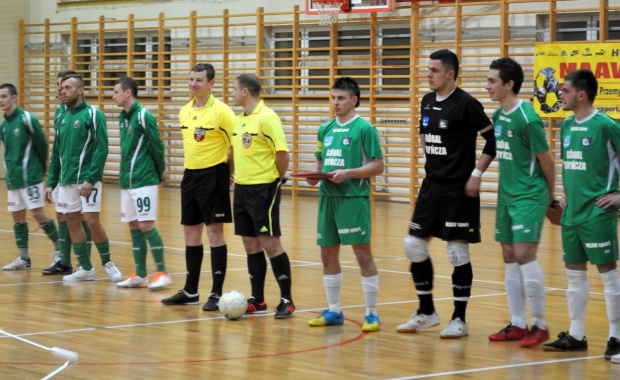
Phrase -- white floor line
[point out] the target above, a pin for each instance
(69, 356)
(483, 369)
(217, 316)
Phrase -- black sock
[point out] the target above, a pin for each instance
(219, 259)
(193, 264)
(422, 274)
(462, 278)
(281, 267)
(257, 268)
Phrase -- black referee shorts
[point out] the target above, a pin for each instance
(444, 211)
(205, 196)
(257, 209)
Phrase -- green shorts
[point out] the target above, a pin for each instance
(519, 224)
(343, 220)
(595, 241)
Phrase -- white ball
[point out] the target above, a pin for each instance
(233, 304)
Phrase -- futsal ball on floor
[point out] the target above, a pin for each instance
(233, 304)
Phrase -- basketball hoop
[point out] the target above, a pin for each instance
(328, 11)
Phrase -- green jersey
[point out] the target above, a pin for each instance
(590, 155)
(347, 146)
(80, 147)
(25, 147)
(142, 152)
(520, 135)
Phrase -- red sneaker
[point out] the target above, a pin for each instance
(509, 332)
(535, 337)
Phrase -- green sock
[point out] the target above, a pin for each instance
(64, 238)
(52, 233)
(21, 235)
(139, 251)
(82, 255)
(157, 248)
(21, 239)
(89, 238)
(104, 251)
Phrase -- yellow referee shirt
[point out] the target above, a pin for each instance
(206, 133)
(256, 139)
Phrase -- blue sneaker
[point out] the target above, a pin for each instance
(371, 323)
(327, 318)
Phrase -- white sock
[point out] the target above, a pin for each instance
(370, 287)
(333, 283)
(534, 286)
(577, 297)
(611, 282)
(515, 295)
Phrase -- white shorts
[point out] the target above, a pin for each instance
(69, 199)
(55, 197)
(27, 197)
(139, 204)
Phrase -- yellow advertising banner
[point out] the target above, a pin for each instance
(554, 60)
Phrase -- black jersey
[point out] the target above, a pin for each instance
(449, 129)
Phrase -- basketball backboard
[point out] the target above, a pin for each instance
(357, 6)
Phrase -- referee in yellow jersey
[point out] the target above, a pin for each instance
(206, 124)
(261, 159)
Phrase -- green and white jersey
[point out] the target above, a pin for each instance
(520, 135)
(347, 146)
(142, 152)
(590, 155)
(80, 147)
(25, 156)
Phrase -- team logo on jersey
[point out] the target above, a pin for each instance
(346, 141)
(586, 141)
(199, 134)
(511, 133)
(443, 124)
(16, 132)
(567, 141)
(498, 130)
(76, 124)
(128, 128)
(328, 141)
(247, 140)
(425, 121)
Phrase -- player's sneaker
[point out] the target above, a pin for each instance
(509, 332)
(81, 275)
(371, 323)
(256, 308)
(613, 348)
(181, 298)
(456, 329)
(615, 359)
(134, 281)
(58, 268)
(18, 264)
(535, 337)
(327, 318)
(212, 303)
(566, 342)
(55, 257)
(113, 272)
(285, 309)
(160, 281)
(418, 321)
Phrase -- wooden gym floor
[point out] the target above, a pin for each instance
(129, 334)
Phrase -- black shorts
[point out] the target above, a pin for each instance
(205, 196)
(257, 209)
(444, 211)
